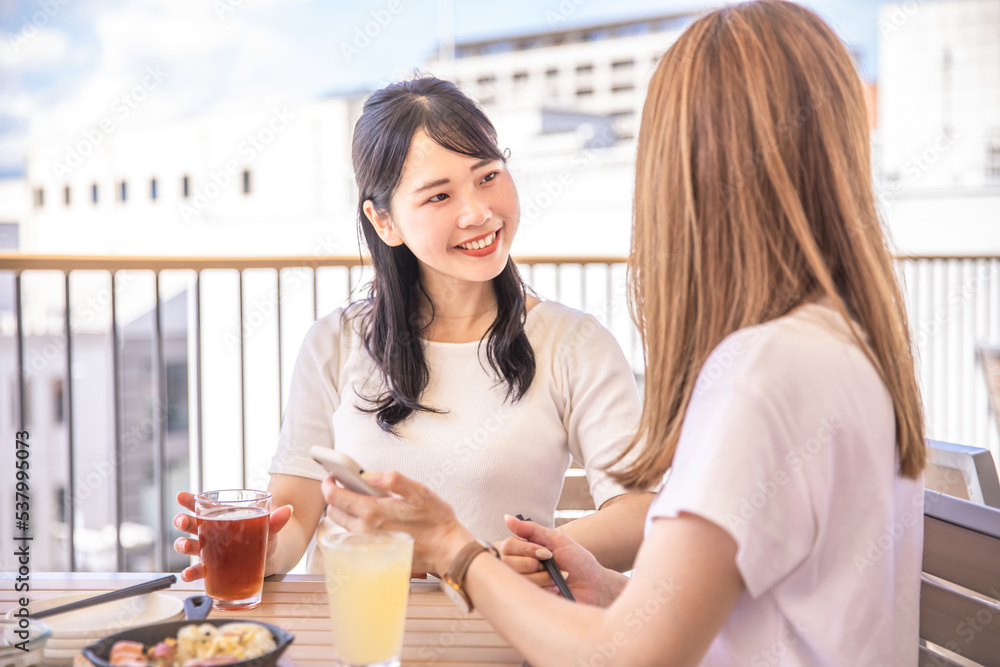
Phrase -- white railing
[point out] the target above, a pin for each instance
(179, 371)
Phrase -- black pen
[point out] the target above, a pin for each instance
(553, 570)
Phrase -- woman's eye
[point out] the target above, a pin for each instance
(437, 198)
(490, 176)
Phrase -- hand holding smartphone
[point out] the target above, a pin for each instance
(345, 470)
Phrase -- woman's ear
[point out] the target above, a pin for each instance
(382, 224)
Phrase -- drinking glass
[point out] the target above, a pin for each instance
(367, 584)
(232, 532)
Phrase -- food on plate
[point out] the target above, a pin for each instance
(202, 645)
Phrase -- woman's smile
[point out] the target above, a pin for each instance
(481, 246)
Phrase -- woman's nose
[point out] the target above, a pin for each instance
(474, 212)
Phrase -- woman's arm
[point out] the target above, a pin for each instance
(685, 585)
(614, 532)
(305, 496)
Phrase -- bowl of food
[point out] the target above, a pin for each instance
(22, 641)
(205, 643)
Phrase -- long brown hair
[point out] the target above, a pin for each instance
(754, 195)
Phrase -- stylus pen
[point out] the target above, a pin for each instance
(553, 570)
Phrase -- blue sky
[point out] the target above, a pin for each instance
(65, 63)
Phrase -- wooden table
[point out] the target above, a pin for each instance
(437, 633)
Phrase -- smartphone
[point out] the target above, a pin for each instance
(345, 470)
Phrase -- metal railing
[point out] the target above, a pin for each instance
(952, 302)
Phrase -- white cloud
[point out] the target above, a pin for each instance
(207, 63)
(39, 49)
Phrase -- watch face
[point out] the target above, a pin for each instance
(455, 595)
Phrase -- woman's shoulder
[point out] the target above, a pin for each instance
(811, 345)
(557, 326)
(343, 325)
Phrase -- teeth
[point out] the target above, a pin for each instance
(481, 243)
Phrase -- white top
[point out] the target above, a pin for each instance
(789, 445)
(486, 456)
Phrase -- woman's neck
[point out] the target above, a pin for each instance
(462, 311)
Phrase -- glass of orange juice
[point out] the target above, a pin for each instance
(367, 584)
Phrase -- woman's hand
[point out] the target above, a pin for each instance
(590, 582)
(414, 509)
(189, 545)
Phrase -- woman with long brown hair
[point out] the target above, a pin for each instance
(780, 387)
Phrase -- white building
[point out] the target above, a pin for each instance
(567, 103)
(601, 69)
(938, 140)
(216, 184)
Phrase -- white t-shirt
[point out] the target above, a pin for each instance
(789, 445)
(486, 456)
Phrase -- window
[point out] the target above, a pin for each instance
(551, 73)
(186, 187)
(39, 197)
(123, 191)
(623, 115)
(487, 88)
(66, 197)
(152, 189)
(584, 69)
(520, 79)
(622, 88)
(58, 399)
(622, 65)
(584, 92)
(93, 193)
(993, 160)
(177, 396)
(246, 181)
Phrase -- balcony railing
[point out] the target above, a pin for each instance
(172, 373)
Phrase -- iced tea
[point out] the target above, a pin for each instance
(232, 532)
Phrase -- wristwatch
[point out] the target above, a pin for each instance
(453, 583)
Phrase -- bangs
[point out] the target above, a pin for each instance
(459, 132)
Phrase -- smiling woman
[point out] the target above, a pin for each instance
(450, 371)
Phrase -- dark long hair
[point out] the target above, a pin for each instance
(391, 328)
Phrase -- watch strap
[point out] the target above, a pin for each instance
(460, 566)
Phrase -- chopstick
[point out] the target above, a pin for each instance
(550, 566)
(120, 594)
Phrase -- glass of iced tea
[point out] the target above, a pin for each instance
(232, 532)
(367, 584)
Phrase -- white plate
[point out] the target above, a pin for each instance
(105, 619)
(58, 656)
(72, 643)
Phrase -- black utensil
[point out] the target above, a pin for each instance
(122, 593)
(550, 566)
